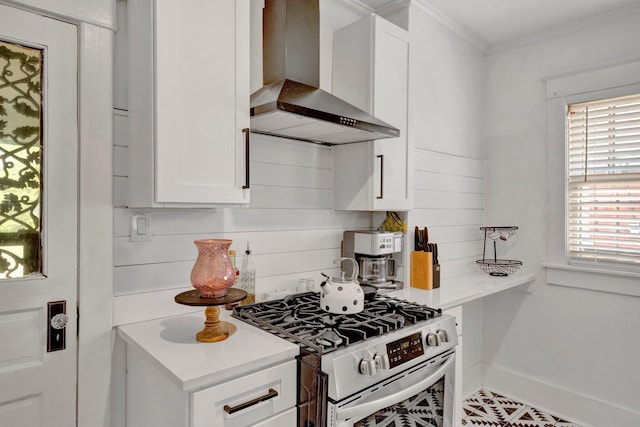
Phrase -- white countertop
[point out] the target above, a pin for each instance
(457, 290)
(171, 345)
(170, 342)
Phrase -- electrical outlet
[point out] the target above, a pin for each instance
(140, 230)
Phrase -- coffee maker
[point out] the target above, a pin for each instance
(378, 254)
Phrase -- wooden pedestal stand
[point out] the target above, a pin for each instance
(214, 329)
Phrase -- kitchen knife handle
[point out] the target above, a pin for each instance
(381, 157)
(247, 181)
(419, 242)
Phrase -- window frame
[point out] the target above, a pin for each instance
(606, 82)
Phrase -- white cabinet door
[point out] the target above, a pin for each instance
(188, 102)
(38, 217)
(371, 71)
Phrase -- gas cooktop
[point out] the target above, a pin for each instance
(300, 319)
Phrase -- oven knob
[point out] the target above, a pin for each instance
(382, 361)
(367, 367)
(442, 335)
(433, 340)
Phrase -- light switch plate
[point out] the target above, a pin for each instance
(140, 226)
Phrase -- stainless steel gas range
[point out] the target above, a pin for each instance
(390, 365)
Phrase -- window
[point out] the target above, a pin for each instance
(20, 160)
(604, 181)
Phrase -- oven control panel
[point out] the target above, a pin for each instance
(405, 349)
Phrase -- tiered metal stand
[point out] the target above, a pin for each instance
(495, 266)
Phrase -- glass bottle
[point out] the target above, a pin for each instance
(248, 277)
(232, 258)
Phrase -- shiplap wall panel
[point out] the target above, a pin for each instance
(290, 197)
(436, 217)
(273, 271)
(274, 175)
(448, 164)
(180, 247)
(120, 191)
(426, 199)
(120, 162)
(449, 200)
(269, 149)
(195, 221)
(448, 182)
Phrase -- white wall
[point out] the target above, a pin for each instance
(570, 350)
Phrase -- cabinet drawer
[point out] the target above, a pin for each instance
(246, 400)
(287, 418)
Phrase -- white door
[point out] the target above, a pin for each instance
(38, 229)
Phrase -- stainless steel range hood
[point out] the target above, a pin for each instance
(291, 104)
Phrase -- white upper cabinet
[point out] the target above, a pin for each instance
(188, 100)
(371, 71)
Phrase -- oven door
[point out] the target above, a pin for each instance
(421, 395)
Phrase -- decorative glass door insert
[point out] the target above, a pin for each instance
(20, 160)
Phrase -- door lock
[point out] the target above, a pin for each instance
(57, 325)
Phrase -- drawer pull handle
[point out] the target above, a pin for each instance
(247, 163)
(231, 409)
(381, 157)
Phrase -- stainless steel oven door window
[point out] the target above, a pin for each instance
(419, 396)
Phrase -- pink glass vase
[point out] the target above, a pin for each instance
(213, 273)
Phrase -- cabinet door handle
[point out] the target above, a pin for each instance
(246, 159)
(381, 157)
(231, 409)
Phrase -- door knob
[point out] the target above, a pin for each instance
(59, 321)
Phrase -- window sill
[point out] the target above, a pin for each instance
(593, 279)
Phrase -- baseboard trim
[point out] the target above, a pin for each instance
(471, 380)
(585, 410)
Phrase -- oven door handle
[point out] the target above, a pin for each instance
(369, 408)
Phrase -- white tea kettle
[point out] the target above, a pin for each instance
(342, 295)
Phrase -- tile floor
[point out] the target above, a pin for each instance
(486, 408)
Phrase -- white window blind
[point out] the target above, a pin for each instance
(604, 181)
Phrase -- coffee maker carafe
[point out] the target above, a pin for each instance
(377, 270)
(379, 255)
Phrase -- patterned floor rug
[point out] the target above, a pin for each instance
(486, 408)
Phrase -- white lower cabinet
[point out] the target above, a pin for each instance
(265, 398)
(457, 398)
(260, 399)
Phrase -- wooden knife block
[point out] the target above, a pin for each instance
(424, 274)
(422, 270)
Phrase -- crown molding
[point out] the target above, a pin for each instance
(355, 6)
(458, 29)
(560, 30)
(359, 6)
(392, 7)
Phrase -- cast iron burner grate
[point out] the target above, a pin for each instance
(299, 318)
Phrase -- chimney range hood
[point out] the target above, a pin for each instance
(291, 105)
